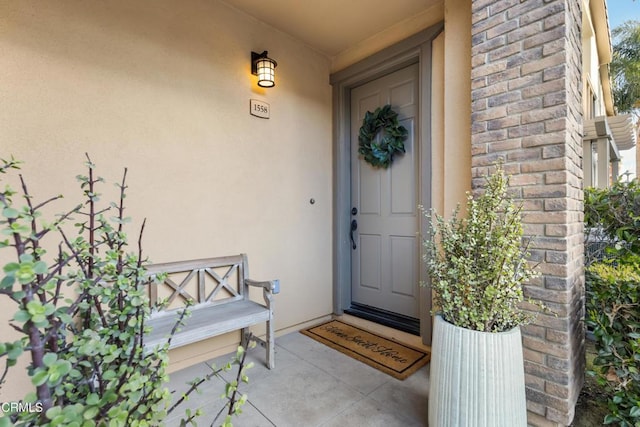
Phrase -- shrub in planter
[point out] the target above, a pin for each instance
(477, 266)
(613, 313)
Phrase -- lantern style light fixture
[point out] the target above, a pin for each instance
(263, 67)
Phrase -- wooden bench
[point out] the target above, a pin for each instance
(219, 290)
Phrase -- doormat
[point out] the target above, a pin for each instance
(388, 356)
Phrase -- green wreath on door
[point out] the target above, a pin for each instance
(385, 121)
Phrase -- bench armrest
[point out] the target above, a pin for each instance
(272, 286)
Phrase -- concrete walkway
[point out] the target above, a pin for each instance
(311, 386)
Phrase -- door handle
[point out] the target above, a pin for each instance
(354, 227)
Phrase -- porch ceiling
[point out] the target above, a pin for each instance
(332, 26)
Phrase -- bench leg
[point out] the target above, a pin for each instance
(271, 359)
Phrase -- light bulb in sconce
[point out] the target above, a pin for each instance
(265, 68)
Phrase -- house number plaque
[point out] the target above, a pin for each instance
(259, 109)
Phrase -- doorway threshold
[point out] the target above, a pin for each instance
(386, 318)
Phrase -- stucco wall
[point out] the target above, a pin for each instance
(163, 88)
(451, 110)
(591, 65)
(389, 36)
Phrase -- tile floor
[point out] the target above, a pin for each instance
(312, 386)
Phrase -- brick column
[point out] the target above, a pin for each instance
(526, 108)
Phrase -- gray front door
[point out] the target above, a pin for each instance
(386, 259)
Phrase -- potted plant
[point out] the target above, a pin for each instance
(477, 266)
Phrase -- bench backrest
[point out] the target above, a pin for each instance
(203, 281)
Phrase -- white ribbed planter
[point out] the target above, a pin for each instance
(477, 378)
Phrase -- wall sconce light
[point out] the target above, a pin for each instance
(263, 67)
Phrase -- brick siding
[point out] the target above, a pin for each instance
(526, 109)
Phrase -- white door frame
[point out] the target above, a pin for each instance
(416, 47)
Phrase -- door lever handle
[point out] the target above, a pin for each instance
(354, 227)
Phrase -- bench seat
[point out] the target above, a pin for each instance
(205, 321)
(218, 289)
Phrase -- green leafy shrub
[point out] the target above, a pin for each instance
(477, 265)
(81, 312)
(615, 211)
(613, 313)
(81, 315)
